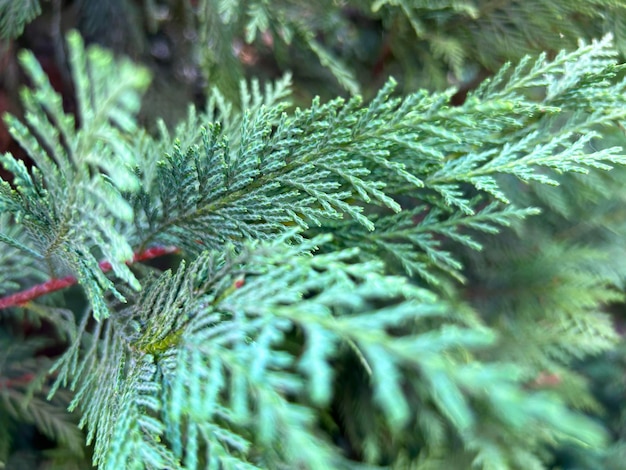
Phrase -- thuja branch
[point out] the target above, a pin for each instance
(55, 284)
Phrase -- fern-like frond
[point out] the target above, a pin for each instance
(229, 359)
(135, 439)
(311, 166)
(18, 262)
(262, 171)
(419, 240)
(259, 346)
(119, 408)
(71, 202)
(15, 15)
(555, 136)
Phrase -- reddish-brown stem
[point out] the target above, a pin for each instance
(55, 284)
(15, 381)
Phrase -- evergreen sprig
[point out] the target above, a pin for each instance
(274, 340)
(208, 360)
(265, 170)
(83, 164)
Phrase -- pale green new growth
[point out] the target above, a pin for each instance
(212, 360)
(72, 201)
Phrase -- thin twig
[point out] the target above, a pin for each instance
(23, 379)
(55, 284)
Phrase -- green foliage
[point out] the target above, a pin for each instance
(14, 15)
(22, 401)
(456, 36)
(239, 372)
(290, 22)
(277, 170)
(77, 169)
(15, 268)
(344, 295)
(426, 43)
